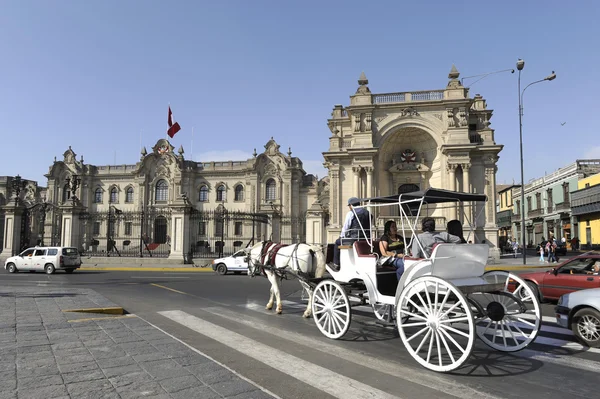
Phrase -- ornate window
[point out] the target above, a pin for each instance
(239, 193)
(238, 227)
(66, 192)
(98, 196)
(566, 192)
(203, 194)
(221, 193)
(538, 200)
(114, 195)
(528, 204)
(129, 194)
(550, 199)
(270, 190)
(162, 191)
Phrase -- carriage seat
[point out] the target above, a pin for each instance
(459, 261)
(363, 249)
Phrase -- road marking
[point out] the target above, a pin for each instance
(212, 359)
(568, 361)
(170, 289)
(154, 277)
(441, 383)
(319, 377)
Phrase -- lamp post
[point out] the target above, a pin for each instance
(17, 185)
(552, 76)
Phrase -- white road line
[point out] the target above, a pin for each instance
(319, 377)
(414, 375)
(208, 357)
(154, 277)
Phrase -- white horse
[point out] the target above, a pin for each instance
(300, 260)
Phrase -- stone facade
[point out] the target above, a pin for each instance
(383, 144)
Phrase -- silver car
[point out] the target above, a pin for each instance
(580, 312)
(46, 259)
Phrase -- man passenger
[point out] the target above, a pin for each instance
(429, 237)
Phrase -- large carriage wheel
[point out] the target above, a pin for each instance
(435, 323)
(510, 322)
(331, 309)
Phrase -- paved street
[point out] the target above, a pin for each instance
(197, 334)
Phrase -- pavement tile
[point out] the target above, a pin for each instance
(39, 382)
(80, 376)
(34, 349)
(66, 345)
(33, 343)
(141, 387)
(216, 376)
(145, 395)
(161, 369)
(85, 389)
(8, 382)
(196, 392)
(151, 356)
(104, 352)
(62, 359)
(193, 359)
(37, 371)
(204, 368)
(79, 367)
(113, 372)
(234, 386)
(8, 365)
(126, 338)
(33, 361)
(115, 362)
(178, 383)
(51, 391)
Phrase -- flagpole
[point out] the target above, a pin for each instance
(167, 132)
(192, 145)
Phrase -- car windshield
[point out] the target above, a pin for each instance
(578, 265)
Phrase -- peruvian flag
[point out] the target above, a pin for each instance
(173, 126)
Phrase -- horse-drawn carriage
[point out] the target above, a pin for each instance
(441, 302)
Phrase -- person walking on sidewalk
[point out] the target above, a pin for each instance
(515, 247)
(550, 246)
(542, 249)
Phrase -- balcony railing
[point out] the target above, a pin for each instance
(549, 209)
(563, 206)
(536, 213)
(515, 218)
(405, 97)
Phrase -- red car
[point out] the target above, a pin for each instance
(575, 274)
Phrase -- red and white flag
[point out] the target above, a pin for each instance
(173, 126)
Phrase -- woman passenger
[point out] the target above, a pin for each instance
(391, 245)
(454, 227)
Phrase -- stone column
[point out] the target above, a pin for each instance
(70, 234)
(12, 230)
(180, 237)
(356, 190)
(335, 195)
(466, 178)
(369, 181)
(452, 170)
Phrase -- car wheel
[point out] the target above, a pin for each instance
(49, 268)
(221, 269)
(586, 327)
(12, 268)
(69, 271)
(534, 288)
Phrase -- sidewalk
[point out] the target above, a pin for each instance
(51, 349)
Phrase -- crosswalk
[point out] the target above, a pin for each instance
(231, 326)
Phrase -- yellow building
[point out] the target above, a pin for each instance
(586, 206)
(504, 213)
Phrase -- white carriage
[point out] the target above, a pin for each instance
(441, 303)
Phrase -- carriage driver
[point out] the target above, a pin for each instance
(429, 237)
(351, 231)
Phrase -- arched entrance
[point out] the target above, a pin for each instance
(160, 230)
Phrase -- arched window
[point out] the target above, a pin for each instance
(162, 191)
(98, 195)
(129, 194)
(114, 195)
(221, 193)
(66, 192)
(270, 193)
(239, 193)
(203, 194)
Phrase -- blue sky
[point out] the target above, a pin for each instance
(96, 74)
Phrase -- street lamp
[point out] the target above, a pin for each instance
(17, 185)
(552, 76)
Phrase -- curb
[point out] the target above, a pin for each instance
(112, 310)
(151, 269)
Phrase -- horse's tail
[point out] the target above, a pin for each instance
(321, 261)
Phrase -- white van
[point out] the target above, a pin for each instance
(47, 259)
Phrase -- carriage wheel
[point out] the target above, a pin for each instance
(382, 311)
(438, 331)
(331, 309)
(511, 322)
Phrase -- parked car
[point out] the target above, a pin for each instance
(237, 263)
(47, 259)
(571, 275)
(580, 312)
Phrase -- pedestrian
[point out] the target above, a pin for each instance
(541, 249)
(515, 247)
(550, 246)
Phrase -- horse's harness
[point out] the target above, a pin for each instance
(268, 253)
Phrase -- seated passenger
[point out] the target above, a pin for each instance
(429, 237)
(358, 220)
(455, 228)
(391, 246)
(593, 268)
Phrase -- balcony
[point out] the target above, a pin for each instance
(536, 213)
(515, 217)
(563, 206)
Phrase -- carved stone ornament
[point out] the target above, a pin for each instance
(368, 121)
(357, 122)
(69, 156)
(462, 116)
(408, 156)
(450, 113)
(451, 166)
(409, 112)
(439, 116)
(363, 82)
(162, 147)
